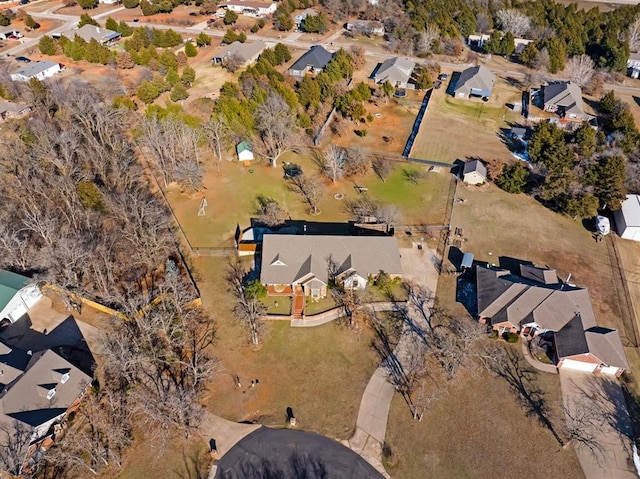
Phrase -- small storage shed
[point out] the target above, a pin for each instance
(467, 261)
(628, 218)
(474, 172)
(17, 295)
(245, 153)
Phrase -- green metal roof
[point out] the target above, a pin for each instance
(243, 146)
(10, 284)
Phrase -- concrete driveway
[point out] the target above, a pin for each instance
(611, 428)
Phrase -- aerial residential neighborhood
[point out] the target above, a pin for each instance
(319, 239)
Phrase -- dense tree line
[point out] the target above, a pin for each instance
(582, 171)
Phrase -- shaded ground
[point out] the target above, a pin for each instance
(270, 453)
(477, 429)
(456, 128)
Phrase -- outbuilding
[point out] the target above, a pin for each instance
(245, 153)
(628, 218)
(474, 173)
(17, 295)
(38, 70)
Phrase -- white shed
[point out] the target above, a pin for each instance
(628, 218)
(474, 173)
(17, 295)
(245, 153)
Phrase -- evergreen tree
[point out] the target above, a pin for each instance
(188, 76)
(179, 92)
(85, 19)
(202, 40)
(230, 17)
(112, 24)
(548, 147)
(513, 178)
(47, 45)
(147, 92)
(282, 54)
(229, 37)
(190, 50)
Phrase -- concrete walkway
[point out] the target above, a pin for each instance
(419, 268)
(611, 428)
(539, 365)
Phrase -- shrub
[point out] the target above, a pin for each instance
(510, 337)
(255, 289)
(230, 17)
(47, 45)
(362, 133)
(124, 102)
(130, 3)
(255, 28)
(179, 92)
(190, 50)
(90, 196)
(514, 178)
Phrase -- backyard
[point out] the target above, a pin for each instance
(455, 128)
(421, 202)
(481, 427)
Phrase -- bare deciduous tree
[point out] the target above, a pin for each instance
(333, 160)
(276, 126)
(269, 211)
(580, 69)
(426, 39)
(216, 133)
(14, 442)
(634, 34)
(381, 168)
(514, 21)
(310, 188)
(542, 62)
(248, 309)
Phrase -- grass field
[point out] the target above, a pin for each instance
(231, 198)
(498, 224)
(455, 128)
(296, 367)
(477, 429)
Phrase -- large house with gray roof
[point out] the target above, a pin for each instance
(396, 71)
(564, 99)
(312, 62)
(306, 263)
(245, 52)
(474, 81)
(38, 70)
(536, 303)
(104, 36)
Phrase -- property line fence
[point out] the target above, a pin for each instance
(416, 124)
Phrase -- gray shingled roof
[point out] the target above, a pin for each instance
(395, 70)
(245, 51)
(478, 77)
(290, 259)
(317, 57)
(606, 345)
(475, 165)
(34, 68)
(564, 94)
(571, 340)
(91, 32)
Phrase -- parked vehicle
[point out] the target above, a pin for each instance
(23, 59)
(443, 76)
(437, 85)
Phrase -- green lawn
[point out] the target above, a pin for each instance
(278, 305)
(319, 306)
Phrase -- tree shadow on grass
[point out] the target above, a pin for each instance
(520, 378)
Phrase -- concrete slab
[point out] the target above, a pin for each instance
(375, 404)
(613, 430)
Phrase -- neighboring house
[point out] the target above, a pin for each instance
(246, 52)
(474, 81)
(38, 70)
(299, 19)
(564, 99)
(474, 172)
(9, 110)
(313, 61)
(7, 32)
(536, 303)
(365, 27)
(304, 263)
(38, 388)
(17, 295)
(633, 65)
(245, 153)
(628, 218)
(396, 71)
(520, 44)
(477, 39)
(91, 32)
(249, 7)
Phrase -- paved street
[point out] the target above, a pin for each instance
(612, 431)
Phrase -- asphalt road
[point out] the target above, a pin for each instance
(285, 453)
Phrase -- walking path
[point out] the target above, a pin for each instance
(612, 430)
(420, 268)
(539, 365)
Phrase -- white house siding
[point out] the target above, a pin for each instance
(610, 370)
(21, 303)
(355, 282)
(473, 178)
(245, 155)
(578, 365)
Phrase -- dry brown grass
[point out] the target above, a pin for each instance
(479, 429)
(319, 372)
(456, 128)
(497, 224)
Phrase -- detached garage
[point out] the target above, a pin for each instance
(17, 295)
(628, 218)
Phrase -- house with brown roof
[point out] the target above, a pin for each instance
(307, 263)
(536, 303)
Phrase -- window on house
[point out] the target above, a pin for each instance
(64, 378)
(51, 393)
(315, 292)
